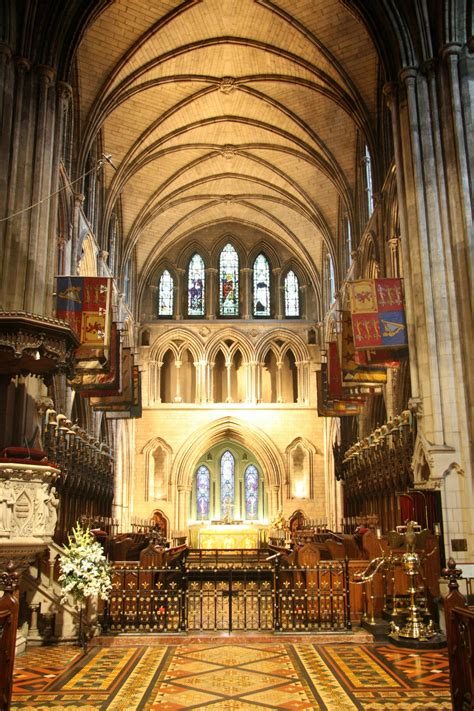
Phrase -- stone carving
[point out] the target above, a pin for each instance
(228, 152)
(227, 85)
(6, 504)
(28, 511)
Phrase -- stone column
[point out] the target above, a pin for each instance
(182, 504)
(279, 396)
(211, 294)
(154, 381)
(228, 367)
(246, 292)
(435, 220)
(303, 291)
(177, 397)
(180, 291)
(274, 501)
(277, 293)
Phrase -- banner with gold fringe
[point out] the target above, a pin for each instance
(328, 407)
(378, 313)
(85, 303)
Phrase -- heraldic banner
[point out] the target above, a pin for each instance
(84, 302)
(378, 314)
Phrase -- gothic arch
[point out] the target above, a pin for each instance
(239, 342)
(220, 243)
(177, 340)
(290, 340)
(271, 463)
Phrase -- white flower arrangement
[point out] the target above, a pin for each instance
(85, 571)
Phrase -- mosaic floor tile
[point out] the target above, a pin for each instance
(233, 677)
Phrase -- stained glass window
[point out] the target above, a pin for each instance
(196, 279)
(165, 294)
(331, 281)
(229, 282)
(367, 161)
(203, 488)
(292, 295)
(261, 286)
(251, 492)
(227, 484)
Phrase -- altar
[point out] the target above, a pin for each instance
(227, 536)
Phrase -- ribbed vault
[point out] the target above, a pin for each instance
(247, 112)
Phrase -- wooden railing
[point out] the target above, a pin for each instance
(460, 635)
(9, 605)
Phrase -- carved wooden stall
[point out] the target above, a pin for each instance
(459, 618)
(9, 606)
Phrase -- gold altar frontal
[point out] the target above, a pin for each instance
(227, 536)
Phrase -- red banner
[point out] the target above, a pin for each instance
(378, 314)
(334, 371)
(84, 302)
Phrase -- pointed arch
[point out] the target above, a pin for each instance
(229, 428)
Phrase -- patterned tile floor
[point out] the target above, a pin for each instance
(233, 677)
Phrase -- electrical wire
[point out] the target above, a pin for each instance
(97, 167)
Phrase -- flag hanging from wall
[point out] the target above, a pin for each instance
(378, 314)
(332, 407)
(356, 372)
(84, 302)
(334, 371)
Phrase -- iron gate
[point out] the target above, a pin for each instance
(229, 599)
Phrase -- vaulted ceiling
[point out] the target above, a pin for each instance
(232, 111)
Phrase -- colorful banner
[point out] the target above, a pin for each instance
(378, 314)
(108, 379)
(355, 372)
(125, 396)
(84, 302)
(334, 371)
(131, 411)
(328, 407)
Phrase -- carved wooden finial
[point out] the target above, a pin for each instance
(451, 573)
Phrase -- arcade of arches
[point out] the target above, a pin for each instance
(231, 167)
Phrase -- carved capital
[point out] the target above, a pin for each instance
(22, 65)
(64, 92)
(46, 73)
(5, 51)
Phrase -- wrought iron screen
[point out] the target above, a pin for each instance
(221, 593)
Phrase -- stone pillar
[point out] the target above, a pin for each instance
(277, 294)
(228, 367)
(279, 396)
(429, 130)
(180, 290)
(177, 397)
(274, 501)
(303, 292)
(182, 504)
(154, 381)
(246, 292)
(211, 293)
